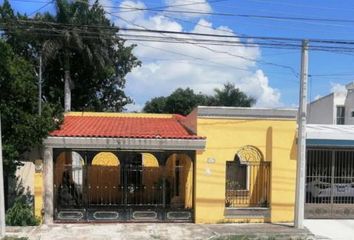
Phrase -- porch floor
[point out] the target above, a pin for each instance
(145, 231)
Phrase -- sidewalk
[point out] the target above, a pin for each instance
(335, 229)
(147, 231)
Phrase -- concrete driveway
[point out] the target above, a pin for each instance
(331, 229)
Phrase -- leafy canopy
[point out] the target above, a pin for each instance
(183, 101)
(22, 127)
(78, 39)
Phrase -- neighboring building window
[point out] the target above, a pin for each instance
(352, 113)
(236, 175)
(340, 115)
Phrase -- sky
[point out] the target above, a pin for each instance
(167, 66)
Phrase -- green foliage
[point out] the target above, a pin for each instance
(155, 105)
(21, 214)
(183, 101)
(80, 40)
(231, 96)
(22, 127)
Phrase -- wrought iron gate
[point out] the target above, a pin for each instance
(329, 183)
(126, 192)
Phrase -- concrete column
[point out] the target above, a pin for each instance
(48, 185)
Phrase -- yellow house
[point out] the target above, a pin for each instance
(218, 164)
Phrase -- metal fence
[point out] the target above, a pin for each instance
(255, 191)
(84, 192)
(330, 183)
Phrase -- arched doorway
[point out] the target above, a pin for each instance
(179, 176)
(68, 180)
(103, 179)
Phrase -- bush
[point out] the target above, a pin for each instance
(21, 214)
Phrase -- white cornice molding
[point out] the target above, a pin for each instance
(125, 143)
(247, 113)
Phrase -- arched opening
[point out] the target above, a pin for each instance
(151, 179)
(68, 179)
(247, 179)
(104, 179)
(179, 180)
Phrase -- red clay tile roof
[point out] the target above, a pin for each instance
(123, 127)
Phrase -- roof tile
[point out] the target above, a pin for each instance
(123, 127)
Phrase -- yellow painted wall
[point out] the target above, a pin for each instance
(38, 194)
(274, 138)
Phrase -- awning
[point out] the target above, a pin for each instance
(330, 135)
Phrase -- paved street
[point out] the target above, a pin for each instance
(331, 229)
(147, 231)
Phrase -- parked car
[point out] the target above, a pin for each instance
(319, 189)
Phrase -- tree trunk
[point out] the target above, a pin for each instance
(67, 91)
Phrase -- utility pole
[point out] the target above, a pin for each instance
(40, 86)
(2, 197)
(301, 140)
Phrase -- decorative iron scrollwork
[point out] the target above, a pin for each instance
(249, 154)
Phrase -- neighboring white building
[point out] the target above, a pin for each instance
(335, 108)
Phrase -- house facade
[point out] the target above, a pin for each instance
(218, 164)
(330, 156)
(330, 171)
(336, 108)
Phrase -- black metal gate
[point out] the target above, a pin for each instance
(329, 183)
(128, 192)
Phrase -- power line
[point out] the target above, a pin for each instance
(143, 29)
(301, 5)
(261, 41)
(174, 5)
(188, 41)
(231, 54)
(325, 20)
(40, 8)
(317, 44)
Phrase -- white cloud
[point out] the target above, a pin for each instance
(129, 10)
(134, 107)
(167, 66)
(189, 6)
(337, 87)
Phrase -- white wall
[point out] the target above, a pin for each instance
(322, 111)
(25, 174)
(349, 107)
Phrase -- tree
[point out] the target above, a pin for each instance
(183, 101)
(155, 105)
(231, 96)
(82, 51)
(22, 127)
